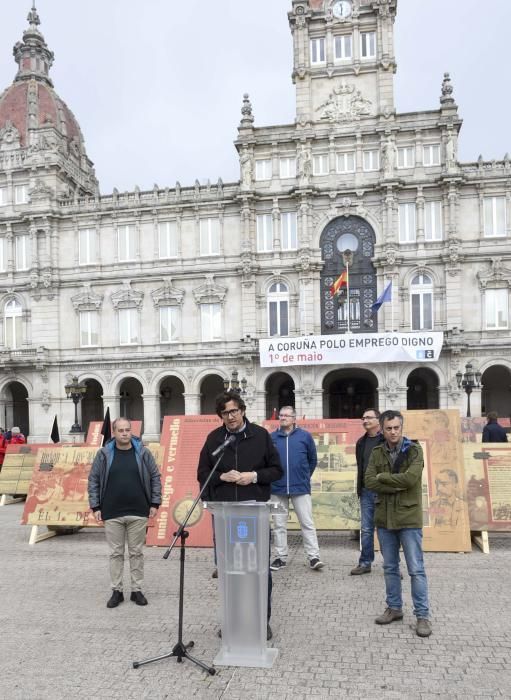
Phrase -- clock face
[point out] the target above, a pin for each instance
(181, 510)
(342, 9)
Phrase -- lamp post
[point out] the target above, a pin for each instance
(75, 391)
(468, 381)
(233, 384)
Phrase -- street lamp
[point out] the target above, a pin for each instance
(468, 381)
(233, 384)
(75, 391)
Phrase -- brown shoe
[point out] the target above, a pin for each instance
(360, 570)
(390, 615)
(423, 627)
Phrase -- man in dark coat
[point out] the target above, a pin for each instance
(492, 431)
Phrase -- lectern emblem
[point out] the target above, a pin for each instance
(242, 530)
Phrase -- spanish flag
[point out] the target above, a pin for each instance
(340, 282)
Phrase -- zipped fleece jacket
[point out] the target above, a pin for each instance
(399, 499)
(253, 451)
(148, 470)
(299, 458)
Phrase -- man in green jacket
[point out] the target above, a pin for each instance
(395, 473)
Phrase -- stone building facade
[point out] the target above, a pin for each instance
(154, 298)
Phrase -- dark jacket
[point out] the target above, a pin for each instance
(148, 470)
(359, 456)
(399, 500)
(298, 457)
(252, 452)
(493, 432)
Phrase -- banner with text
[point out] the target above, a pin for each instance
(359, 348)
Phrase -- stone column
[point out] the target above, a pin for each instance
(152, 417)
(192, 403)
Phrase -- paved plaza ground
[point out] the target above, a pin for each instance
(58, 639)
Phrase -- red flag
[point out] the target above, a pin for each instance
(340, 282)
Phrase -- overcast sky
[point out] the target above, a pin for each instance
(157, 86)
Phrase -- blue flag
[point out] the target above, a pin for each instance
(385, 296)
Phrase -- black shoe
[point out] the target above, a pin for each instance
(316, 564)
(138, 597)
(215, 573)
(277, 564)
(358, 570)
(116, 598)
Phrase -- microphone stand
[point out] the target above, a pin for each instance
(180, 649)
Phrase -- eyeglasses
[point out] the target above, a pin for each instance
(230, 414)
(369, 418)
(285, 415)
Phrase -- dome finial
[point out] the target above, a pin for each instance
(33, 17)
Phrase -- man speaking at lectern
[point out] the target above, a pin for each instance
(249, 464)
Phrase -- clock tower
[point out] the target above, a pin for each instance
(343, 65)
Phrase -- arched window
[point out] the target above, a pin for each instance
(13, 324)
(421, 302)
(278, 309)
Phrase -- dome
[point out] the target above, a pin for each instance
(32, 115)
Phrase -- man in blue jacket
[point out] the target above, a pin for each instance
(299, 458)
(124, 490)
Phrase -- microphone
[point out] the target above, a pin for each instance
(225, 444)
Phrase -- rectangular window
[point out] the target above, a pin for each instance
(89, 334)
(3, 262)
(263, 169)
(20, 194)
(431, 155)
(22, 247)
(264, 233)
(318, 50)
(368, 44)
(406, 157)
(371, 160)
(407, 226)
(168, 323)
(167, 239)
(494, 217)
(287, 167)
(320, 165)
(422, 311)
(278, 318)
(433, 221)
(342, 47)
(288, 235)
(86, 246)
(13, 331)
(346, 162)
(3, 196)
(126, 243)
(211, 322)
(210, 236)
(128, 327)
(497, 310)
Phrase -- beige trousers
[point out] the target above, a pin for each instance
(118, 531)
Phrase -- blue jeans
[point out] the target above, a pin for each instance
(367, 501)
(410, 539)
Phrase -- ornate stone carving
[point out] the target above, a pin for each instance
(9, 137)
(246, 166)
(496, 276)
(388, 157)
(304, 165)
(127, 298)
(87, 300)
(168, 295)
(45, 399)
(40, 191)
(148, 374)
(345, 103)
(446, 98)
(247, 118)
(209, 292)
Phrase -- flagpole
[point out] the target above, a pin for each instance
(392, 313)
